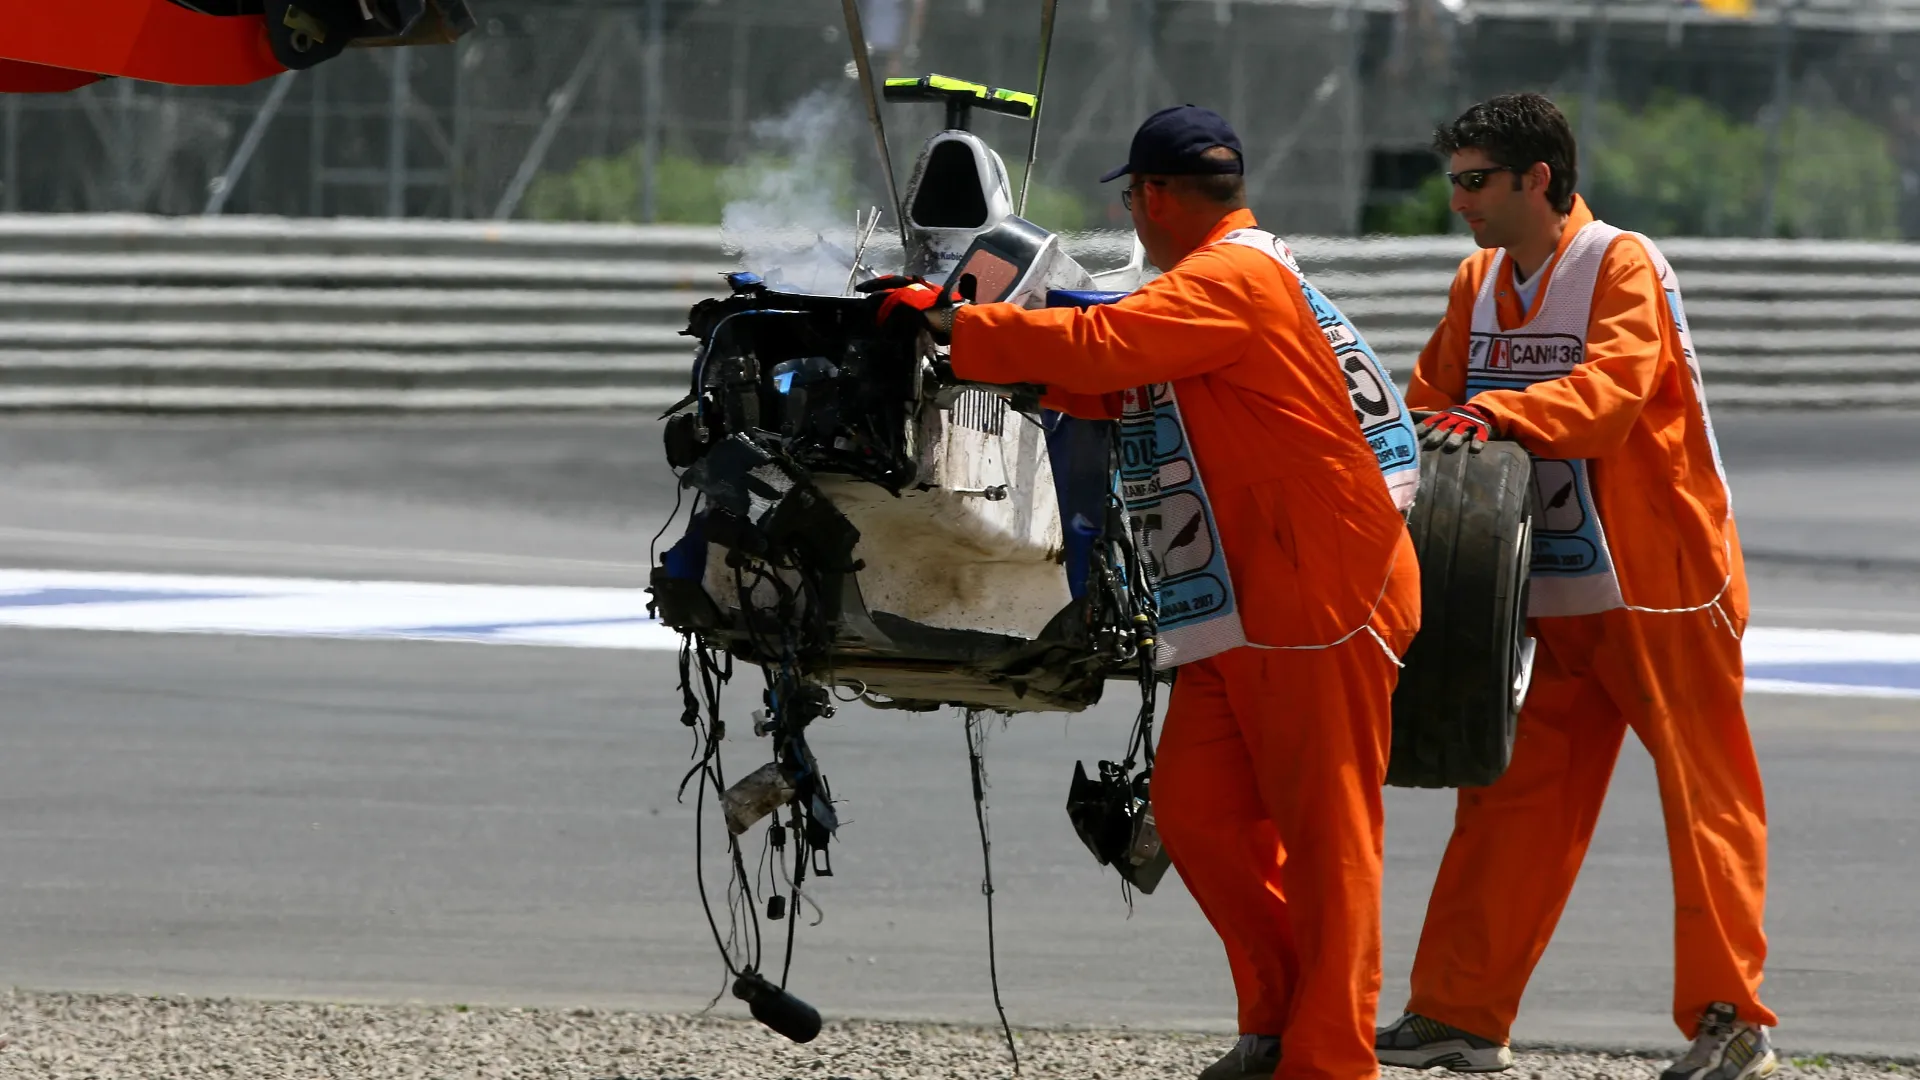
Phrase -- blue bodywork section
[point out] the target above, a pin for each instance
(686, 560)
(1082, 456)
(1082, 298)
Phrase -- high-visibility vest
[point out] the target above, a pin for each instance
(1166, 496)
(1573, 570)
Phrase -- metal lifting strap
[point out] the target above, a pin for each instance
(1047, 9)
(858, 38)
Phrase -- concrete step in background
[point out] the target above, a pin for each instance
(122, 311)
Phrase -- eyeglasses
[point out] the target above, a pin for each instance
(1475, 179)
(1126, 194)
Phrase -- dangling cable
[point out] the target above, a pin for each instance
(1140, 743)
(1145, 619)
(653, 545)
(794, 880)
(703, 714)
(976, 752)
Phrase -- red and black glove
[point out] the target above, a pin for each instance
(1462, 425)
(917, 294)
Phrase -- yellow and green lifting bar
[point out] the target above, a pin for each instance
(961, 97)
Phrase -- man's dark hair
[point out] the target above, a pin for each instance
(1227, 189)
(1517, 130)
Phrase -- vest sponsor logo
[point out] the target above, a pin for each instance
(1185, 541)
(1526, 354)
(1175, 535)
(1193, 598)
(1373, 403)
(1571, 555)
(1561, 508)
(1267, 242)
(1168, 514)
(1391, 448)
(1285, 255)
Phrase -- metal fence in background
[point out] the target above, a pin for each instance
(1774, 117)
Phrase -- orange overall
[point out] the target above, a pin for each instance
(1674, 676)
(1267, 790)
(151, 40)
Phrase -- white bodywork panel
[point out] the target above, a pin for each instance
(1125, 278)
(1053, 269)
(949, 558)
(935, 251)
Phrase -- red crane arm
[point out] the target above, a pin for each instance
(69, 43)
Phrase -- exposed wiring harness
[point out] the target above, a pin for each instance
(976, 761)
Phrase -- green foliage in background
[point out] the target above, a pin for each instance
(1839, 179)
(1055, 209)
(1682, 167)
(1678, 167)
(609, 189)
(813, 186)
(1422, 213)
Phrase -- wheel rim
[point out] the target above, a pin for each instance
(1523, 644)
(1523, 679)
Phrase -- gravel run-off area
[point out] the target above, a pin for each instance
(59, 1036)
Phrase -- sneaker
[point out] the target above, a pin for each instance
(1417, 1042)
(1727, 1048)
(1254, 1057)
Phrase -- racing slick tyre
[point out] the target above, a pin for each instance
(1466, 673)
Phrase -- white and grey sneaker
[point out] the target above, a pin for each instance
(1727, 1048)
(1419, 1042)
(1254, 1057)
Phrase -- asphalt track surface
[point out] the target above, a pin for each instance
(461, 823)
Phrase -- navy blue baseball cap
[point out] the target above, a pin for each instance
(1172, 142)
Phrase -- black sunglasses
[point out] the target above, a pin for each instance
(1475, 179)
(1126, 194)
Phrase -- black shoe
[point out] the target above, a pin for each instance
(1254, 1057)
(1416, 1042)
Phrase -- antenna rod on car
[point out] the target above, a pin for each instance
(858, 38)
(1047, 9)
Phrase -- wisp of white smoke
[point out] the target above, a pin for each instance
(788, 214)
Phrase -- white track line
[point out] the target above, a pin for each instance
(1824, 663)
(296, 607)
